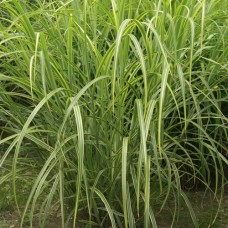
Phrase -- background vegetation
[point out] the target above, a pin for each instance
(110, 109)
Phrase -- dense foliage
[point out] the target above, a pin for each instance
(120, 105)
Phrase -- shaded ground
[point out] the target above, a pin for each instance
(203, 206)
(11, 220)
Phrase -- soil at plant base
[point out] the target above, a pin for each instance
(10, 219)
(203, 205)
(205, 208)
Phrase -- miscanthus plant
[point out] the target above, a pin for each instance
(121, 105)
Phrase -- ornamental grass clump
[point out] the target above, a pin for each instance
(118, 104)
